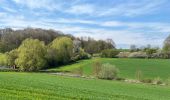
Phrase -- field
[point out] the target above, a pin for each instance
(150, 68)
(39, 86)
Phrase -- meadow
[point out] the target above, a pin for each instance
(150, 68)
(41, 86)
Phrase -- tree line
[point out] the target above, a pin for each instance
(34, 49)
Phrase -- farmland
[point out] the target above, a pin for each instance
(150, 68)
(46, 87)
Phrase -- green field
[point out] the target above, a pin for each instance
(151, 68)
(39, 86)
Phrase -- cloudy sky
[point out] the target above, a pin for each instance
(139, 22)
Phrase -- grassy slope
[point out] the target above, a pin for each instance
(43, 86)
(151, 68)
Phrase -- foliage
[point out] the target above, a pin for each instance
(80, 54)
(139, 75)
(31, 55)
(150, 52)
(92, 46)
(109, 53)
(108, 71)
(11, 57)
(166, 47)
(96, 67)
(3, 59)
(12, 39)
(62, 50)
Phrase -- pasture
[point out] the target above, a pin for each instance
(39, 86)
(150, 68)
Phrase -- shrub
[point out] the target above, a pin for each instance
(139, 75)
(3, 59)
(108, 71)
(81, 54)
(96, 68)
(78, 71)
(138, 55)
(109, 53)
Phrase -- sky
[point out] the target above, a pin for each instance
(127, 22)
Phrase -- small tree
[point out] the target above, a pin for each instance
(96, 67)
(166, 47)
(139, 75)
(31, 55)
(108, 71)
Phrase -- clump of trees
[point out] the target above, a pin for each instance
(34, 49)
(33, 54)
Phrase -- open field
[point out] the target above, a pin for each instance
(39, 86)
(151, 68)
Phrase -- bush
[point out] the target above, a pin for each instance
(3, 59)
(78, 71)
(96, 68)
(109, 53)
(108, 71)
(139, 75)
(81, 54)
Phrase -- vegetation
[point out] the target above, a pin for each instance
(62, 50)
(108, 71)
(3, 59)
(109, 53)
(31, 55)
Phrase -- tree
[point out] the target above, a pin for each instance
(166, 47)
(133, 48)
(31, 55)
(62, 49)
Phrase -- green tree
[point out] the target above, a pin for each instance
(62, 48)
(31, 55)
(166, 47)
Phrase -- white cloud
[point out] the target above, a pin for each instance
(39, 4)
(81, 9)
(134, 8)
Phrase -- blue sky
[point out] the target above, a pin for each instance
(127, 22)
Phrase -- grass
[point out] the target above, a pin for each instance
(150, 68)
(39, 86)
